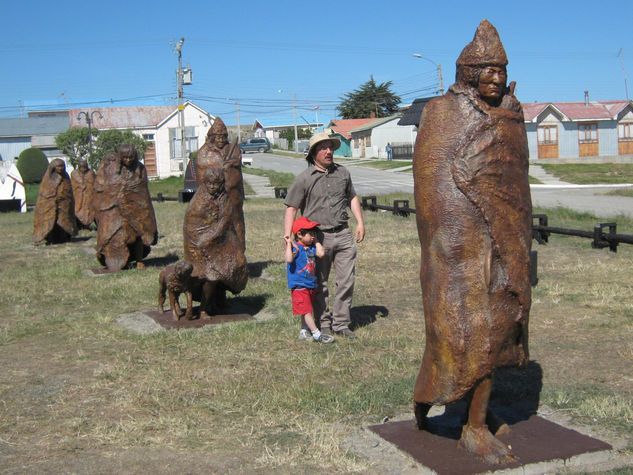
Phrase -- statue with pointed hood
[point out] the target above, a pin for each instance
(474, 224)
(54, 221)
(214, 234)
(83, 180)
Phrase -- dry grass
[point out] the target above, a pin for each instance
(249, 396)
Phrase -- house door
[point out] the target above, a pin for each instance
(362, 147)
(150, 160)
(625, 138)
(547, 138)
(588, 140)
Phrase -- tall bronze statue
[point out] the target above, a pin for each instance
(474, 223)
(214, 235)
(126, 223)
(54, 221)
(83, 181)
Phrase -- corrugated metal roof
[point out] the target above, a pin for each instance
(121, 117)
(344, 126)
(412, 115)
(375, 123)
(594, 110)
(29, 126)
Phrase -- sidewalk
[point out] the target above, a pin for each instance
(538, 172)
(260, 185)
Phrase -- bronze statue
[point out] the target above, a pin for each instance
(54, 221)
(176, 279)
(214, 235)
(126, 224)
(474, 223)
(83, 181)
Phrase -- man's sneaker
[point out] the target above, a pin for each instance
(325, 338)
(304, 334)
(347, 333)
(326, 331)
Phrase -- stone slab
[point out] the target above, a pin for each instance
(166, 320)
(533, 441)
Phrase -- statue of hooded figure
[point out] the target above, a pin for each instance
(54, 221)
(83, 181)
(473, 212)
(213, 229)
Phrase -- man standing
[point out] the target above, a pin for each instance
(388, 149)
(474, 223)
(323, 192)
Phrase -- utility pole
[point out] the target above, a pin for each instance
(237, 112)
(626, 87)
(181, 107)
(294, 109)
(89, 120)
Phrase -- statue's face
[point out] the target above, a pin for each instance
(83, 167)
(492, 83)
(220, 140)
(59, 169)
(128, 160)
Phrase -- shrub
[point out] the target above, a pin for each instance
(32, 164)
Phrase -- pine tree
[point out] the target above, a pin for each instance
(369, 97)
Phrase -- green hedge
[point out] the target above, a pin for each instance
(32, 164)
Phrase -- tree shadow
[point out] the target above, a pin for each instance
(364, 315)
(161, 261)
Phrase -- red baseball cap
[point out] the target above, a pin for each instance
(303, 223)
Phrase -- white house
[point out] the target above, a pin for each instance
(370, 139)
(159, 125)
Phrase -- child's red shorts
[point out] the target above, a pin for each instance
(302, 301)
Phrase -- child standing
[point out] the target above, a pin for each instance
(301, 257)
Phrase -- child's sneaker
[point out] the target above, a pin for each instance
(325, 338)
(304, 334)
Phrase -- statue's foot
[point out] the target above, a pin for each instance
(496, 425)
(204, 315)
(140, 265)
(421, 410)
(481, 442)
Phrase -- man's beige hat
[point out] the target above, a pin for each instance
(322, 137)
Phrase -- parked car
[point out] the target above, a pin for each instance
(255, 144)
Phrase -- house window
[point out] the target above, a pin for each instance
(625, 131)
(547, 134)
(355, 142)
(191, 141)
(368, 141)
(148, 137)
(588, 133)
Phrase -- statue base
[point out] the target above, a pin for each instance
(533, 441)
(166, 319)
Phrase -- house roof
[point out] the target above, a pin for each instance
(29, 126)
(412, 115)
(121, 117)
(343, 127)
(579, 111)
(375, 123)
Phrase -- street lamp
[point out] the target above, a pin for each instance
(439, 71)
(89, 120)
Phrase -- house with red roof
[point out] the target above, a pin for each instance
(341, 129)
(579, 129)
(159, 125)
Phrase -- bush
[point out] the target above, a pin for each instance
(32, 164)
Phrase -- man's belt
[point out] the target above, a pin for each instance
(336, 229)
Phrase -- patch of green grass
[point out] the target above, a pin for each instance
(169, 186)
(628, 191)
(591, 173)
(280, 179)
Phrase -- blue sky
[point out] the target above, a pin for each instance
(262, 53)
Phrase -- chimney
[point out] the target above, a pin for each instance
(586, 98)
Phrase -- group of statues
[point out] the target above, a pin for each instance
(474, 223)
(117, 200)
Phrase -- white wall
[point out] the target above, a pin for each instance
(380, 135)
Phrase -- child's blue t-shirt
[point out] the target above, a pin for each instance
(301, 272)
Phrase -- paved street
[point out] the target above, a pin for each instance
(553, 193)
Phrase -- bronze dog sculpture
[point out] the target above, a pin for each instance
(176, 279)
